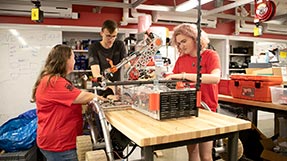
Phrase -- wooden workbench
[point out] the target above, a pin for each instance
(151, 134)
(266, 105)
(254, 106)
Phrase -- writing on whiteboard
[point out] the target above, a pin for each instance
(22, 56)
(25, 59)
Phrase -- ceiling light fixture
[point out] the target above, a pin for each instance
(153, 7)
(189, 5)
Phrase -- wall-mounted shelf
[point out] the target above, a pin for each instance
(238, 54)
(236, 69)
(224, 47)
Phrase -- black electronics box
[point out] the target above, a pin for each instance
(163, 104)
(177, 104)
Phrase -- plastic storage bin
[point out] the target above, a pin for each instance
(253, 87)
(279, 95)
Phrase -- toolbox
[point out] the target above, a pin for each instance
(223, 87)
(253, 87)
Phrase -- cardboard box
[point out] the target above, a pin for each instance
(276, 71)
(268, 153)
(264, 71)
(259, 71)
(96, 155)
(272, 156)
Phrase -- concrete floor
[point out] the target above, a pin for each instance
(265, 125)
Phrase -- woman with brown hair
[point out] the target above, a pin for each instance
(59, 106)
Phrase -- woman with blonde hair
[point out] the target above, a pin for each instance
(185, 40)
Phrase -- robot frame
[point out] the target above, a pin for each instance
(113, 141)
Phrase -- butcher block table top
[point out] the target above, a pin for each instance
(146, 131)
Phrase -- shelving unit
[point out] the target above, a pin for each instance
(239, 55)
(86, 37)
(81, 57)
(224, 47)
(81, 54)
(81, 68)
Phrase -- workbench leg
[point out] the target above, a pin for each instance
(276, 123)
(254, 116)
(233, 146)
(147, 153)
(245, 111)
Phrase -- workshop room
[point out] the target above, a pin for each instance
(143, 80)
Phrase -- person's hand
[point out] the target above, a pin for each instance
(169, 77)
(113, 69)
(101, 98)
(113, 97)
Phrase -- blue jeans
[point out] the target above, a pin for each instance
(69, 155)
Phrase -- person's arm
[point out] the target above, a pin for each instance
(85, 97)
(96, 71)
(94, 61)
(212, 78)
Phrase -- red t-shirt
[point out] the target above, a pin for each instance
(209, 61)
(59, 121)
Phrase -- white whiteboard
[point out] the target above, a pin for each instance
(22, 55)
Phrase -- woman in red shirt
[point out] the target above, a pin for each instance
(59, 109)
(184, 39)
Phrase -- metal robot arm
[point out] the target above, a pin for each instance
(142, 57)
